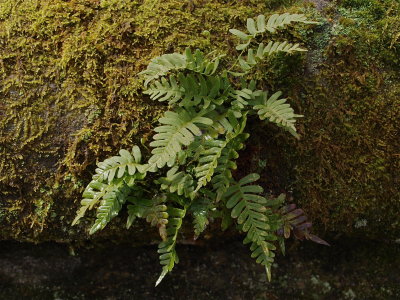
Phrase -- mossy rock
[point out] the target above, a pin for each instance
(70, 96)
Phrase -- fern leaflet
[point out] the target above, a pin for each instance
(178, 182)
(248, 207)
(178, 129)
(110, 204)
(277, 111)
(166, 249)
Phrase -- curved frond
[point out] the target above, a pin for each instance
(162, 65)
(226, 162)
(178, 129)
(199, 63)
(153, 210)
(248, 207)
(200, 209)
(166, 249)
(165, 90)
(92, 195)
(110, 204)
(255, 57)
(277, 21)
(258, 26)
(127, 163)
(278, 111)
(180, 183)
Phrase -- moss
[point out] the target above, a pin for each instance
(347, 162)
(70, 94)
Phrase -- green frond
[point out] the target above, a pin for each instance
(93, 193)
(200, 209)
(263, 253)
(180, 183)
(198, 63)
(153, 210)
(259, 25)
(249, 208)
(206, 89)
(127, 163)
(162, 65)
(208, 161)
(255, 57)
(213, 149)
(110, 204)
(277, 111)
(178, 129)
(165, 90)
(277, 21)
(190, 90)
(166, 249)
(222, 123)
(243, 96)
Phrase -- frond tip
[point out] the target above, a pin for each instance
(166, 249)
(277, 111)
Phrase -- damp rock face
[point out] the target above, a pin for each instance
(70, 96)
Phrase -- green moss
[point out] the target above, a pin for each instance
(347, 161)
(70, 92)
(71, 96)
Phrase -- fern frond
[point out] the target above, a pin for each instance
(110, 204)
(277, 111)
(180, 183)
(263, 253)
(259, 26)
(166, 249)
(277, 21)
(248, 207)
(153, 210)
(200, 209)
(209, 89)
(198, 63)
(213, 149)
(208, 161)
(165, 90)
(93, 193)
(162, 65)
(222, 177)
(190, 89)
(254, 58)
(116, 166)
(178, 129)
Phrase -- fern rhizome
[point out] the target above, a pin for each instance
(189, 172)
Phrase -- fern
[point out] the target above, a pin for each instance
(116, 166)
(255, 57)
(199, 138)
(248, 207)
(164, 64)
(153, 210)
(260, 25)
(277, 111)
(200, 209)
(166, 249)
(178, 130)
(103, 183)
(166, 90)
(178, 182)
(110, 205)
